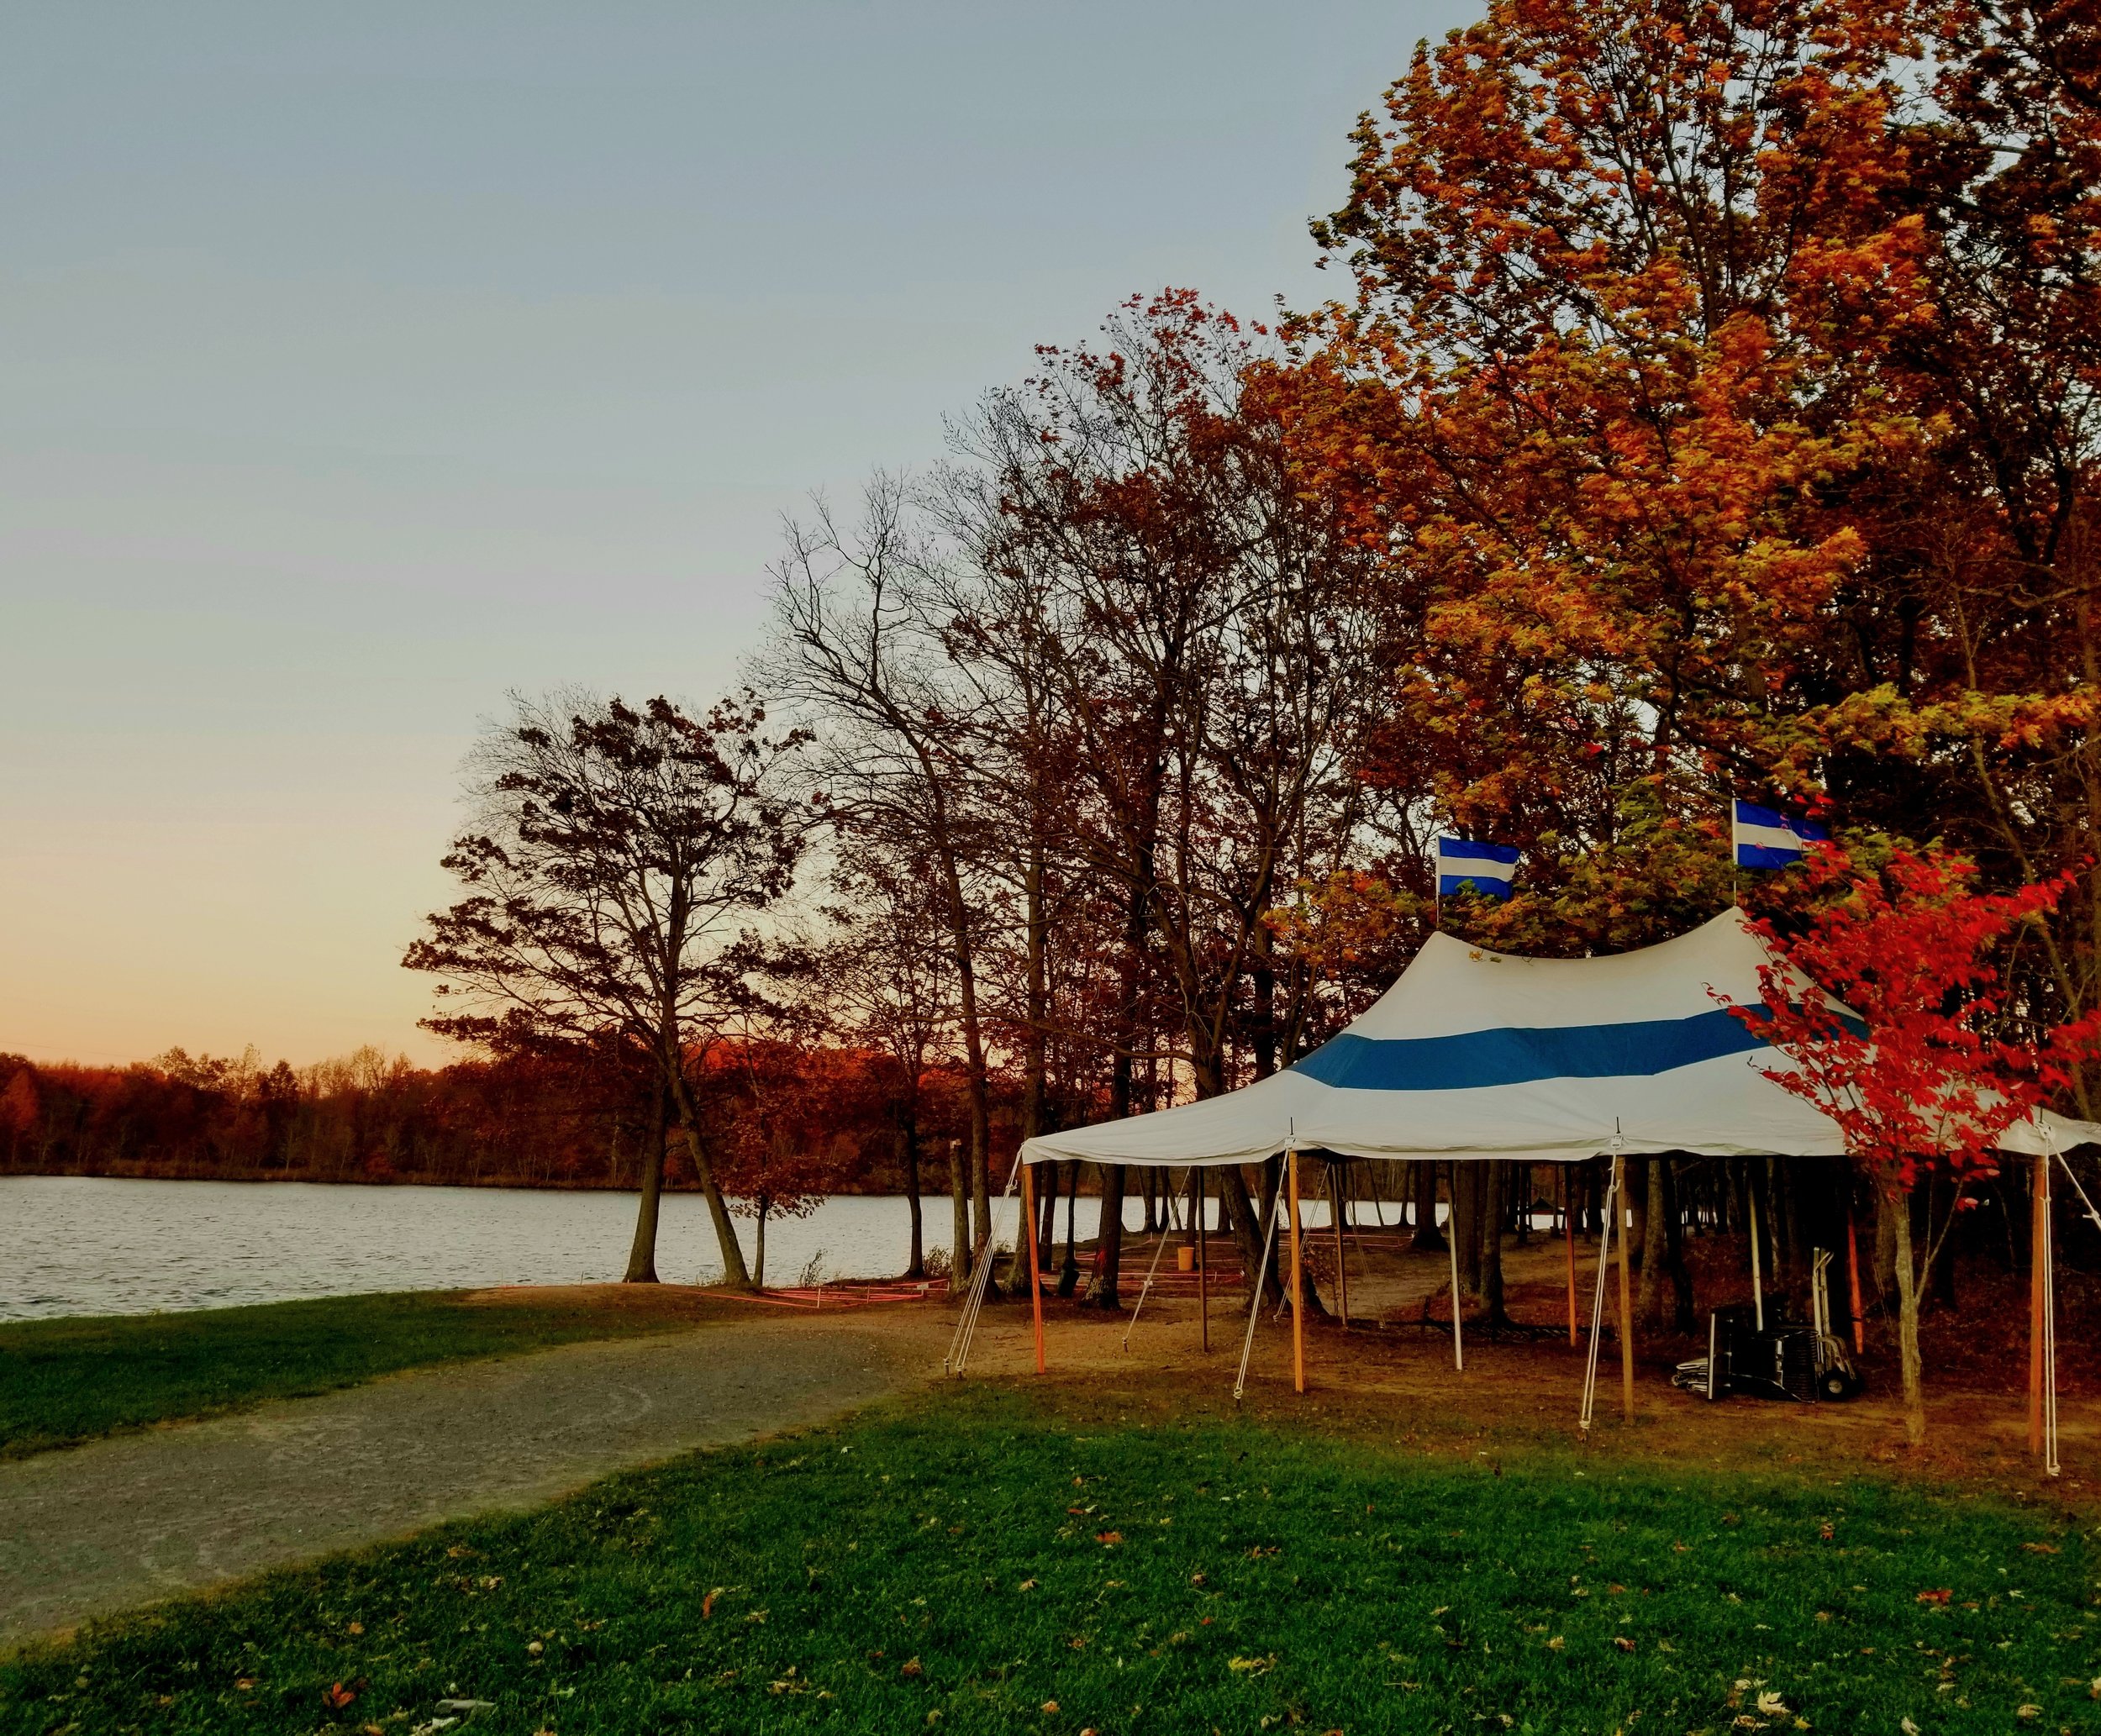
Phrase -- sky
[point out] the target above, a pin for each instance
(361, 363)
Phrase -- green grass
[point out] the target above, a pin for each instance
(63, 1381)
(957, 1563)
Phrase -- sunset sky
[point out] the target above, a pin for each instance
(363, 362)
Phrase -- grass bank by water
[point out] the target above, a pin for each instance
(997, 1560)
(64, 1382)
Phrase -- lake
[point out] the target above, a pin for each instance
(84, 1244)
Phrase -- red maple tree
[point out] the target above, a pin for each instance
(1903, 1035)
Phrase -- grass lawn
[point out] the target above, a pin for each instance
(987, 1559)
(63, 1381)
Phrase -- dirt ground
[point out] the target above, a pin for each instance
(1389, 1375)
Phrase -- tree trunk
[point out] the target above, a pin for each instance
(759, 1266)
(1069, 1271)
(1655, 1246)
(1900, 1215)
(734, 1275)
(959, 1194)
(1427, 1239)
(1495, 1186)
(1101, 1293)
(642, 1254)
(908, 1137)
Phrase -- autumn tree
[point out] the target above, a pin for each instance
(1187, 636)
(1889, 998)
(616, 861)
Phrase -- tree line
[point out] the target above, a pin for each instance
(1707, 409)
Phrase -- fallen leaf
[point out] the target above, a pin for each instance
(1049, 1706)
(911, 1666)
(2041, 1548)
(708, 1604)
(1624, 1644)
(1251, 1666)
(1770, 1705)
(2028, 1711)
(1027, 1584)
(338, 1695)
(1196, 1579)
(1942, 1597)
(1109, 1537)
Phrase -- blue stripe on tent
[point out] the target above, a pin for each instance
(1475, 1058)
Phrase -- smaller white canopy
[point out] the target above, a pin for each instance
(1475, 1054)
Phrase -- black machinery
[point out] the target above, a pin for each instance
(1782, 1360)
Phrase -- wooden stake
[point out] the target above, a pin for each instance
(1853, 1282)
(1626, 1303)
(1035, 1277)
(1297, 1291)
(1568, 1224)
(1204, 1291)
(2038, 1264)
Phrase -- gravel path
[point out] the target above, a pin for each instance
(124, 1521)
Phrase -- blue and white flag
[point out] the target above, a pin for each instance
(1767, 838)
(1486, 868)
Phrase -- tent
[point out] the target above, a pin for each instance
(1475, 1054)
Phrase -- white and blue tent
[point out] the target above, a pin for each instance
(1475, 1054)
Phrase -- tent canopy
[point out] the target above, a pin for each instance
(1474, 1053)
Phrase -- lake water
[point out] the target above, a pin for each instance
(83, 1244)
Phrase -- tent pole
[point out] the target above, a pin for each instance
(1297, 1289)
(1203, 1289)
(1451, 1242)
(1626, 1305)
(1338, 1199)
(1585, 1415)
(1255, 1303)
(1159, 1248)
(1035, 1276)
(1758, 1292)
(1568, 1227)
(2038, 1279)
(1853, 1277)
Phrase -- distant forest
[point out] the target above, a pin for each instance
(551, 1119)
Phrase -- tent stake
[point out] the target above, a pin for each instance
(1451, 1242)
(1035, 1276)
(1297, 1289)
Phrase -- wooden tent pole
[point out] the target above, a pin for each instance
(1568, 1227)
(2038, 1268)
(1626, 1305)
(1035, 1276)
(1853, 1279)
(1297, 1289)
(1204, 1291)
(1337, 1198)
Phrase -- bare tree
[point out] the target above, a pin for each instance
(616, 860)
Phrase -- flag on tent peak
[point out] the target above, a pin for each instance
(1767, 837)
(1487, 868)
